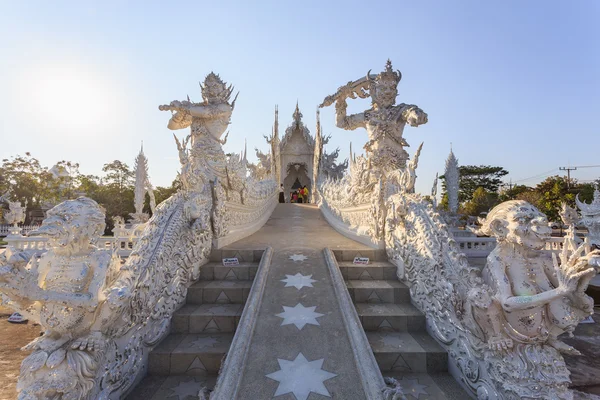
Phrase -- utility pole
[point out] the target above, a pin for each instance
(568, 169)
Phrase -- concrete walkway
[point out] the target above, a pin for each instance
(300, 346)
(296, 227)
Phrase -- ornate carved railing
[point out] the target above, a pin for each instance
(447, 290)
(357, 217)
(234, 219)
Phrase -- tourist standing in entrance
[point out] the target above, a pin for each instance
(300, 195)
(305, 193)
(281, 194)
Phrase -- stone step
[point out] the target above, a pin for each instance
(432, 386)
(207, 318)
(375, 270)
(192, 354)
(219, 292)
(350, 254)
(175, 387)
(389, 317)
(216, 271)
(407, 352)
(378, 291)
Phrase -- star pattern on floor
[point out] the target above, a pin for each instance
(185, 389)
(298, 257)
(299, 316)
(298, 281)
(413, 387)
(301, 377)
(203, 342)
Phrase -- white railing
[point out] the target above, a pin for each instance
(122, 245)
(25, 229)
(476, 247)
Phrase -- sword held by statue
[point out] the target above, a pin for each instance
(353, 89)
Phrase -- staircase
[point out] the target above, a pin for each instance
(395, 328)
(201, 331)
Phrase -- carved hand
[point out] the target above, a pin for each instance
(571, 271)
(500, 343)
(415, 117)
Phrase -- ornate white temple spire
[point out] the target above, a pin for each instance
(451, 176)
(434, 190)
(276, 123)
(244, 155)
(142, 185)
(297, 115)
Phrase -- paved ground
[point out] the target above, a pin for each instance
(585, 369)
(296, 227)
(312, 329)
(12, 338)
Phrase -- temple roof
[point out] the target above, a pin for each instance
(297, 125)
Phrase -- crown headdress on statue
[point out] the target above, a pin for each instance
(215, 89)
(389, 75)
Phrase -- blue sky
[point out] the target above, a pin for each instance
(508, 83)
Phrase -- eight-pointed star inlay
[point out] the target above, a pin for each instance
(185, 389)
(298, 280)
(301, 377)
(298, 257)
(299, 316)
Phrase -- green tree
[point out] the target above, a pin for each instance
(65, 181)
(513, 192)
(471, 178)
(116, 194)
(479, 176)
(162, 193)
(481, 201)
(553, 192)
(26, 180)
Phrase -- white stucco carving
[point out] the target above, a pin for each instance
(16, 211)
(500, 328)
(142, 186)
(451, 177)
(102, 318)
(434, 189)
(384, 122)
(590, 217)
(65, 291)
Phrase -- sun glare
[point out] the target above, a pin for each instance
(69, 96)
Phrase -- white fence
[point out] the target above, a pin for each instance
(481, 247)
(25, 229)
(122, 245)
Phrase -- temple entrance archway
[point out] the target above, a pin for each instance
(296, 175)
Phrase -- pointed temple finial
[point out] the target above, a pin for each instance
(297, 114)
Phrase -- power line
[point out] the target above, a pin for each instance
(585, 166)
(568, 169)
(536, 176)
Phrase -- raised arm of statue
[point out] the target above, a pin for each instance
(412, 114)
(568, 281)
(210, 111)
(180, 120)
(347, 122)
